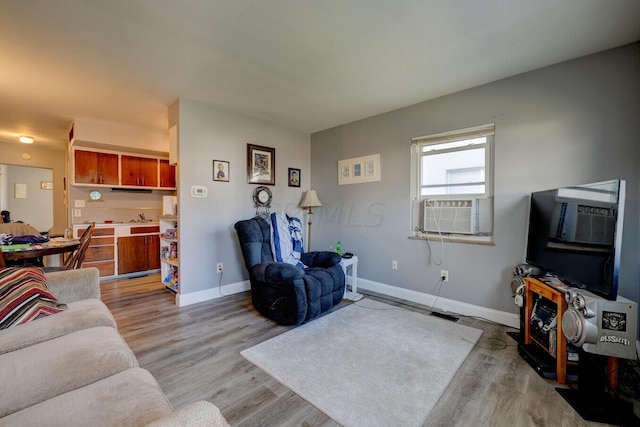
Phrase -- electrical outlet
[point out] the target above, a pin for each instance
(219, 267)
(77, 213)
(444, 275)
(79, 203)
(394, 264)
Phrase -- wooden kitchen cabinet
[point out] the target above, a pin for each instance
(167, 174)
(93, 167)
(139, 253)
(101, 250)
(139, 171)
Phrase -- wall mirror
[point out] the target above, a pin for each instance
(27, 193)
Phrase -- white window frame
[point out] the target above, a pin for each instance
(417, 153)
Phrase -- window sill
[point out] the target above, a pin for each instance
(455, 238)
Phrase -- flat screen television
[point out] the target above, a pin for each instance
(575, 233)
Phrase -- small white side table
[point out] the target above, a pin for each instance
(352, 262)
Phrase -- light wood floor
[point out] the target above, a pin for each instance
(194, 353)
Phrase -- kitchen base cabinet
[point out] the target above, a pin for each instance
(101, 250)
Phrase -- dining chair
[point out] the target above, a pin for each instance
(77, 258)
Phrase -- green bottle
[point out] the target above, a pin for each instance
(339, 249)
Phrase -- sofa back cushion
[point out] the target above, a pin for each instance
(24, 296)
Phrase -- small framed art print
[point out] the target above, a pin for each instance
(294, 177)
(221, 170)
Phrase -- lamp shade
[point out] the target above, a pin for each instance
(310, 200)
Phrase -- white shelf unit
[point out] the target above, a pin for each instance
(169, 258)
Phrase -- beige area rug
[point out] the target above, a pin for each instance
(368, 364)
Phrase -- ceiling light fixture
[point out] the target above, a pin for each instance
(25, 139)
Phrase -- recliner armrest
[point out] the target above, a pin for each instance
(322, 259)
(276, 272)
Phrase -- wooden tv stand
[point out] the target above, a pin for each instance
(556, 295)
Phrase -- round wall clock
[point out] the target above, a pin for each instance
(262, 197)
(95, 195)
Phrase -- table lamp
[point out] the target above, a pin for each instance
(310, 201)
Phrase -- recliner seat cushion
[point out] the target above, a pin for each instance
(42, 371)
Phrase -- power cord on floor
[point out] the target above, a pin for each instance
(220, 284)
(495, 343)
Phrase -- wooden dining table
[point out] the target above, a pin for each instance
(56, 245)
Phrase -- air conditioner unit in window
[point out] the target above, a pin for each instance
(451, 216)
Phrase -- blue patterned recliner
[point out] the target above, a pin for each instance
(283, 292)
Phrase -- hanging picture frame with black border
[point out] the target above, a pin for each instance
(294, 177)
(221, 170)
(261, 165)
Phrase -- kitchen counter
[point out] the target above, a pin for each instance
(119, 223)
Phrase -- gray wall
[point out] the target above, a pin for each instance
(206, 224)
(572, 123)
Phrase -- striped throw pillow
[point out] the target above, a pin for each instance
(24, 296)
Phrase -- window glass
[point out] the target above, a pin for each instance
(453, 168)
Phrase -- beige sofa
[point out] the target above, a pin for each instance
(74, 369)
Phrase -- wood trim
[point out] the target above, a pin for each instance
(546, 291)
(145, 229)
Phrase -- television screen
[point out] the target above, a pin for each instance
(575, 233)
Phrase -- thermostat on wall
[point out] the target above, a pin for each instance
(198, 191)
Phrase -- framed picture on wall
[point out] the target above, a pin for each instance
(359, 170)
(221, 170)
(261, 165)
(294, 177)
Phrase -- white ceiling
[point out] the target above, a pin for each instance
(308, 65)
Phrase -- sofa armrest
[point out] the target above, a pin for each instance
(197, 414)
(74, 285)
(276, 272)
(324, 259)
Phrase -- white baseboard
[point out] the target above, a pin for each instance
(444, 304)
(212, 293)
